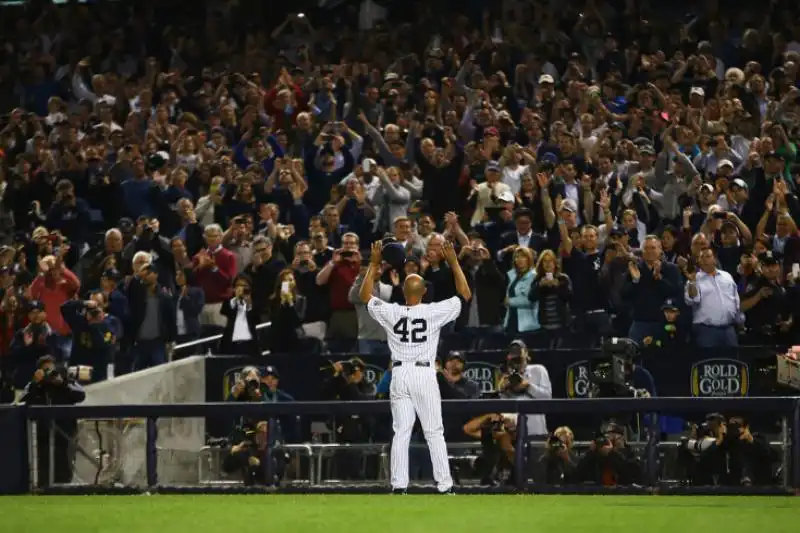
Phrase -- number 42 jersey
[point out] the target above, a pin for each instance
(413, 331)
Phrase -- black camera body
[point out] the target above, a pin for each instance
(515, 378)
(555, 444)
(252, 386)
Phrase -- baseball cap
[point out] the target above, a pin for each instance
(491, 131)
(546, 78)
(569, 205)
(698, 91)
(707, 186)
(368, 164)
(493, 165)
(725, 163)
(647, 150)
(774, 155)
(271, 371)
(455, 354)
(617, 231)
(768, 258)
(505, 196)
(739, 182)
(516, 348)
(35, 305)
(669, 303)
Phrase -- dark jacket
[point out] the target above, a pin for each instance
(488, 285)
(24, 356)
(137, 300)
(561, 294)
(93, 344)
(191, 306)
(229, 311)
(648, 294)
(622, 464)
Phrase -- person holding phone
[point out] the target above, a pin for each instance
(552, 290)
(288, 311)
(240, 336)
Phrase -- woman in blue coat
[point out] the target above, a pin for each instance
(521, 315)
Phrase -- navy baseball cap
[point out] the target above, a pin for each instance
(35, 305)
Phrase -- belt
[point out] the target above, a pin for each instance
(417, 363)
(714, 326)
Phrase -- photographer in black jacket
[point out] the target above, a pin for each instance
(52, 385)
(250, 437)
(560, 462)
(348, 385)
(610, 461)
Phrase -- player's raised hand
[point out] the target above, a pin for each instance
(375, 255)
(449, 252)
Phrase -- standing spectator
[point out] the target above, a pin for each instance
(215, 269)
(32, 342)
(488, 286)
(371, 336)
(522, 314)
(305, 270)
(339, 275)
(96, 334)
(551, 290)
(240, 336)
(263, 270)
(153, 319)
(288, 309)
(189, 301)
(649, 282)
(54, 285)
(714, 299)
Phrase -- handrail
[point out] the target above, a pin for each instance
(213, 338)
(775, 405)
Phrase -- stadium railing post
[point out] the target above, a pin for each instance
(521, 459)
(152, 452)
(796, 445)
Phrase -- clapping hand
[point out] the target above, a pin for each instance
(633, 269)
(449, 252)
(376, 254)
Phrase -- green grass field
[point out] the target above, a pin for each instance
(390, 514)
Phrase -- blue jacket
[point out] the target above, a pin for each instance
(527, 312)
(94, 344)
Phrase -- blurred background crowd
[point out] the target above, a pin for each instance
(604, 166)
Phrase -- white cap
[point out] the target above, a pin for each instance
(546, 78)
(367, 164)
(505, 196)
(697, 90)
(725, 163)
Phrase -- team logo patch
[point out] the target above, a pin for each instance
(484, 374)
(720, 377)
(578, 380)
(373, 374)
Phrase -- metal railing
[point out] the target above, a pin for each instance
(205, 345)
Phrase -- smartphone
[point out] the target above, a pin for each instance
(285, 287)
(796, 270)
(347, 254)
(720, 215)
(548, 276)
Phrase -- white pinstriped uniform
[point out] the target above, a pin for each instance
(413, 336)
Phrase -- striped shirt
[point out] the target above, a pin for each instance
(413, 331)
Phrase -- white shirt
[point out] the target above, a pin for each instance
(241, 330)
(539, 388)
(180, 320)
(717, 299)
(513, 177)
(413, 331)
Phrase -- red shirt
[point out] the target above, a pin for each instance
(279, 117)
(342, 277)
(53, 293)
(217, 282)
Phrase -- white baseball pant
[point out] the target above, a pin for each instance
(415, 392)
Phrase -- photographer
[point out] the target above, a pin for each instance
(720, 453)
(497, 433)
(250, 436)
(523, 381)
(610, 461)
(348, 385)
(560, 462)
(53, 385)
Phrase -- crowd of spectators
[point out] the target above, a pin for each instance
(604, 166)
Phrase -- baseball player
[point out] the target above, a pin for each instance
(412, 331)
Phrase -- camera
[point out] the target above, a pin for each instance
(515, 378)
(555, 444)
(252, 386)
(347, 367)
(67, 373)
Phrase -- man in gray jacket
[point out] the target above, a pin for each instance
(371, 336)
